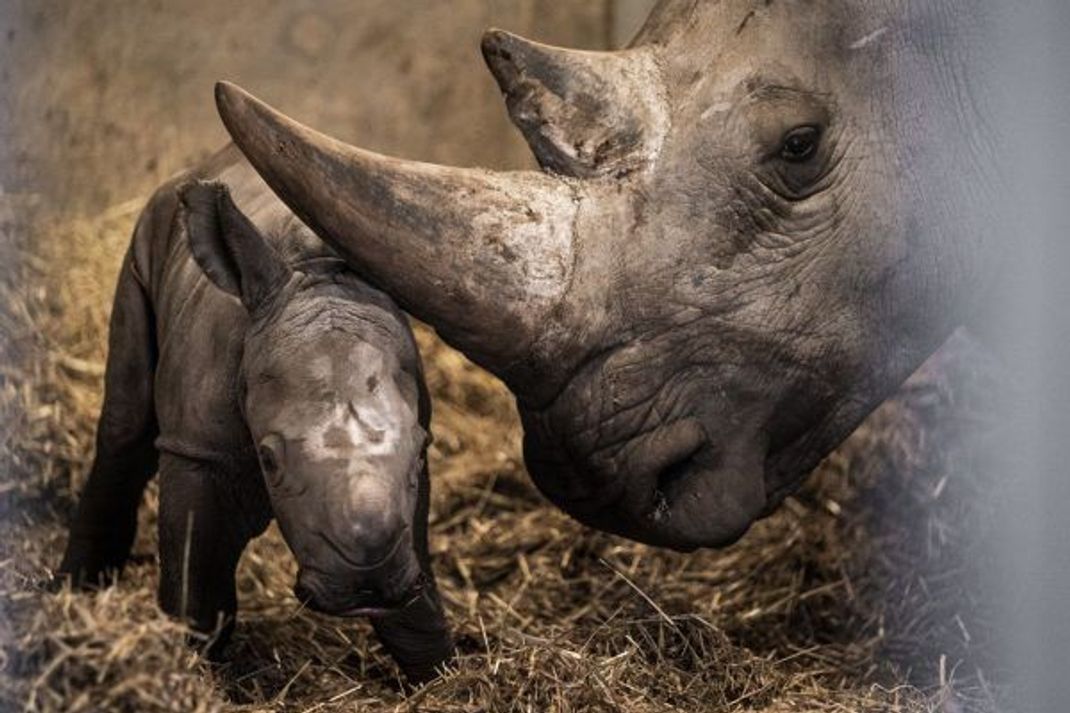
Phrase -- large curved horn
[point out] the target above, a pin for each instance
(481, 256)
(583, 113)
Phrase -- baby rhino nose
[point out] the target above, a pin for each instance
(375, 542)
(369, 535)
(373, 522)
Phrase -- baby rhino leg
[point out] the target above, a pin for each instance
(203, 532)
(106, 519)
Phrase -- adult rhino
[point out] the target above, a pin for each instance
(749, 230)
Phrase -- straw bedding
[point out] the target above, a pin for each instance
(855, 596)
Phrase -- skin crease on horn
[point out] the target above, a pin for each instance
(750, 230)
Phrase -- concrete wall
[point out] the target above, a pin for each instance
(627, 18)
(102, 99)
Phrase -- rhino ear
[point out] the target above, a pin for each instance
(584, 114)
(228, 247)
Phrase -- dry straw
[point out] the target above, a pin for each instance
(855, 596)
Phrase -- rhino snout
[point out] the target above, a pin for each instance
(687, 490)
(363, 581)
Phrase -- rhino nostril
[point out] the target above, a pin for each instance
(673, 480)
(674, 474)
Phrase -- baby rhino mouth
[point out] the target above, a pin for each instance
(358, 603)
(353, 597)
(361, 586)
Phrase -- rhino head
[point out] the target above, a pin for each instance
(745, 236)
(330, 388)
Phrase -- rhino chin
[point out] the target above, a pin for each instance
(705, 515)
(351, 598)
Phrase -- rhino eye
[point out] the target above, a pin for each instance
(270, 453)
(800, 144)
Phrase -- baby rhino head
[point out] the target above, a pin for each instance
(332, 398)
(336, 424)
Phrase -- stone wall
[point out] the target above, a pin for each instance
(100, 100)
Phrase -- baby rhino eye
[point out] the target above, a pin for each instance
(270, 453)
(800, 144)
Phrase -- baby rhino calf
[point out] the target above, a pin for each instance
(302, 399)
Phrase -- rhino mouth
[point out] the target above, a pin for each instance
(365, 602)
(676, 489)
(373, 609)
(350, 588)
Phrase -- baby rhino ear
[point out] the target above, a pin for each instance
(228, 247)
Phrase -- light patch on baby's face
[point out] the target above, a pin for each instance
(342, 419)
(336, 422)
(368, 423)
(361, 443)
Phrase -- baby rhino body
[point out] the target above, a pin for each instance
(298, 395)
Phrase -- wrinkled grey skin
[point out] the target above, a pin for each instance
(751, 227)
(299, 395)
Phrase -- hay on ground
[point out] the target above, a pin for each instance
(853, 597)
